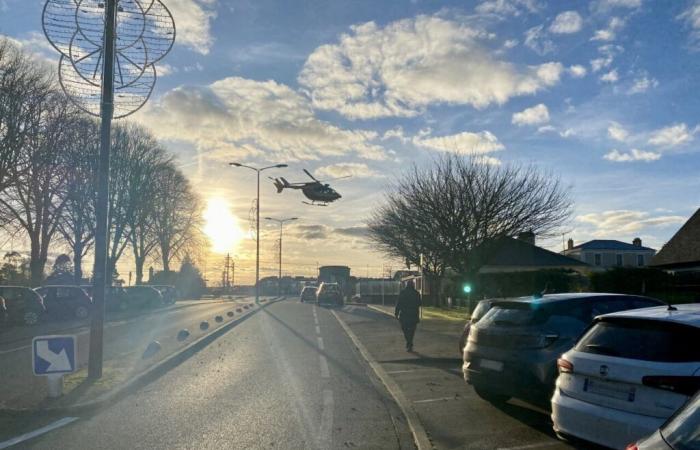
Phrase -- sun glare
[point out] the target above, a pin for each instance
(221, 226)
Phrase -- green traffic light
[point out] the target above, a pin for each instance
(467, 288)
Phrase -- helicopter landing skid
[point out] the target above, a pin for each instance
(315, 204)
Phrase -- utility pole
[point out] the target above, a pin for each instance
(281, 222)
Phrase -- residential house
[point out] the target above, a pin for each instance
(682, 253)
(608, 253)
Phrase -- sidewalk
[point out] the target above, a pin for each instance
(453, 416)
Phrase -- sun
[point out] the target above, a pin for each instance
(221, 226)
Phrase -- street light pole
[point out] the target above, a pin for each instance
(281, 222)
(257, 221)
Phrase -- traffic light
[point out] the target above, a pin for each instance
(467, 288)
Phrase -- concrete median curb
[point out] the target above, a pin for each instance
(145, 377)
(378, 309)
(420, 437)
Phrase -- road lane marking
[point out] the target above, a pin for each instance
(392, 372)
(325, 373)
(2, 352)
(320, 343)
(318, 329)
(430, 400)
(326, 430)
(537, 445)
(32, 434)
(316, 320)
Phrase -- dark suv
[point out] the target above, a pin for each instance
(116, 298)
(308, 294)
(144, 297)
(21, 305)
(329, 293)
(512, 351)
(66, 301)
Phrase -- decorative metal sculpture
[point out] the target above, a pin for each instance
(144, 34)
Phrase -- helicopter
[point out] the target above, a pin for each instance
(319, 193)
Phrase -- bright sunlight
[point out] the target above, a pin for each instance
(221, 226)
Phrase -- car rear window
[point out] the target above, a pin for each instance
(683, 430)
(515, 315)
(647, 340)
(480, 311)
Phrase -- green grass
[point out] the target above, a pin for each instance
(457, 314)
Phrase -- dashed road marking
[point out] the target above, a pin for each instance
(325, 373)
(326, 430)
(318, 329)
(431, 400)
(32, 434)
(319, 339)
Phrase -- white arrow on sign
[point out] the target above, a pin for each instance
(57, 362)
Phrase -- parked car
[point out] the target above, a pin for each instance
(169, 293)
(63, 302)
(144, 297)
(627, 374)
(116, 298)
(512, 351)
(480, 311)
(20, 305)
(680, 432)
(329, 293)
(308, 294)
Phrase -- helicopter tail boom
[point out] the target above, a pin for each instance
(281, 183)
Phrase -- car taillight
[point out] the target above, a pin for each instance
(632, 447)
(682, 385)
(565, 366)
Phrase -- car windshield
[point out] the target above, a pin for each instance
(682, 432)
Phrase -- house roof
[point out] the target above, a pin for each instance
(609, 244)
(514, 253)
(684, 246)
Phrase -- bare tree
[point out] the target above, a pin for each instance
(450, 211)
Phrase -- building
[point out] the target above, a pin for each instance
(608, 253)
(682, 253)
(520, 254)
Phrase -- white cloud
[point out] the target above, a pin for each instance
(510, 43)
(616, 132)
(607, 57)
(613, 224)
(609, 33)
(606, 5)
(465, 143)
(535, 115)
(567, 133)
(237, 117)
(671, 136)
(567, 22)
(610, 77)
(396, 132)
(632, 155)
(356, 170)
(536, 40)
(546, 129)
(643, 84)
(410, 64)
(193, 21)
(577, 71)
(507, 7)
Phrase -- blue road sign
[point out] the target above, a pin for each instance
(53, 355)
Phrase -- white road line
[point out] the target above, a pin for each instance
(2, 352)
(316, 320)
(392, 372)
(325, 373)
(318, 329)
(320, 343)
(39, 432)
(430, 400)
(537, 445)
(326, 429)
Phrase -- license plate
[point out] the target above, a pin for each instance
(609, 389)
(491, 365)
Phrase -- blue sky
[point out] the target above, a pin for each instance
(601, 93)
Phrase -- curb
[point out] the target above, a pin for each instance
(151, 374)
(375, 308)
(420, 437)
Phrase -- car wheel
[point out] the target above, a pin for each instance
(81, 312)
(30, 318)
(490, 395)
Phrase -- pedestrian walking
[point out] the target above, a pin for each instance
(407, 311)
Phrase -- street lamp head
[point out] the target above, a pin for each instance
(293, 218)
(235, 164)
(280, 166)
(269, 218)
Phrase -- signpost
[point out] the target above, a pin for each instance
(52, 357)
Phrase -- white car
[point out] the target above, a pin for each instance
(627, 374)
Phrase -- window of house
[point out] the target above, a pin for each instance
(618, 260)
(640, 260)
(597, 259)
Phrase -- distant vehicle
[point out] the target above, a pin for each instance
(20, 305)
(329, 293)
(627, 374)
(480, 311)
(316, 191)
(144, 297)
(169, 293)
(308, 294)
(63, 302)
(512, 351)
(116, 298)
(680, 432)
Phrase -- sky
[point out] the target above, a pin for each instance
(602, 94)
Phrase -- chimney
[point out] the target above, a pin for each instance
(527, 236)
(637, 242)
(570, 244)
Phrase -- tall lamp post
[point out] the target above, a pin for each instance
(257, 221)
(281, 222)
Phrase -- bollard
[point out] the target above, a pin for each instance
(219, 319)
(152, 348)
(183, 334)
(230, 313)
(238, 310)
(204, 325)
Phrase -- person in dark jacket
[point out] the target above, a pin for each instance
(407, 311)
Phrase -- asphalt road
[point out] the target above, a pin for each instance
(287, 377)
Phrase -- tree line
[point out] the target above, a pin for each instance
(48, 178)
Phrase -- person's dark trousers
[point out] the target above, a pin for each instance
(409, 330)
